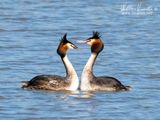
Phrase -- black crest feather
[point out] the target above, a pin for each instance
(96, 35)
(64, 38)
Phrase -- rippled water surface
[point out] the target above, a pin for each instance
(30, 31)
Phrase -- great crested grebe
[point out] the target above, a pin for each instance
(89, 82)
(55, 82)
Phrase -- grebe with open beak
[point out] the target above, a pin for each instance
(56, 82)
(90, 82)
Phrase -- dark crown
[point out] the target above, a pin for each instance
(64, 39)
(96, 35)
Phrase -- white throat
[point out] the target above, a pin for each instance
(71, 73)
(87, 74)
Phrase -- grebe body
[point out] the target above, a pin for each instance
(56, 82)
(90, 82)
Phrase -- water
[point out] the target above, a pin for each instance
(29, 34)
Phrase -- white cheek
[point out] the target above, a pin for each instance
(89, 43)
(69, 46)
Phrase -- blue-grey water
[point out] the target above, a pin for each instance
(30, 31)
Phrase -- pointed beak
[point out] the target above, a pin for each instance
(83, 41)
(74, 46)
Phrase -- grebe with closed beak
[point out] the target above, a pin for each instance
(89, 82)
(55, 82)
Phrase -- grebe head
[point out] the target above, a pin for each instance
(64, 46)
(95, 42)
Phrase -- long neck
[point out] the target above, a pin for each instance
(71, 74)
(89, 65)
(70, 71)
(87, 74)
